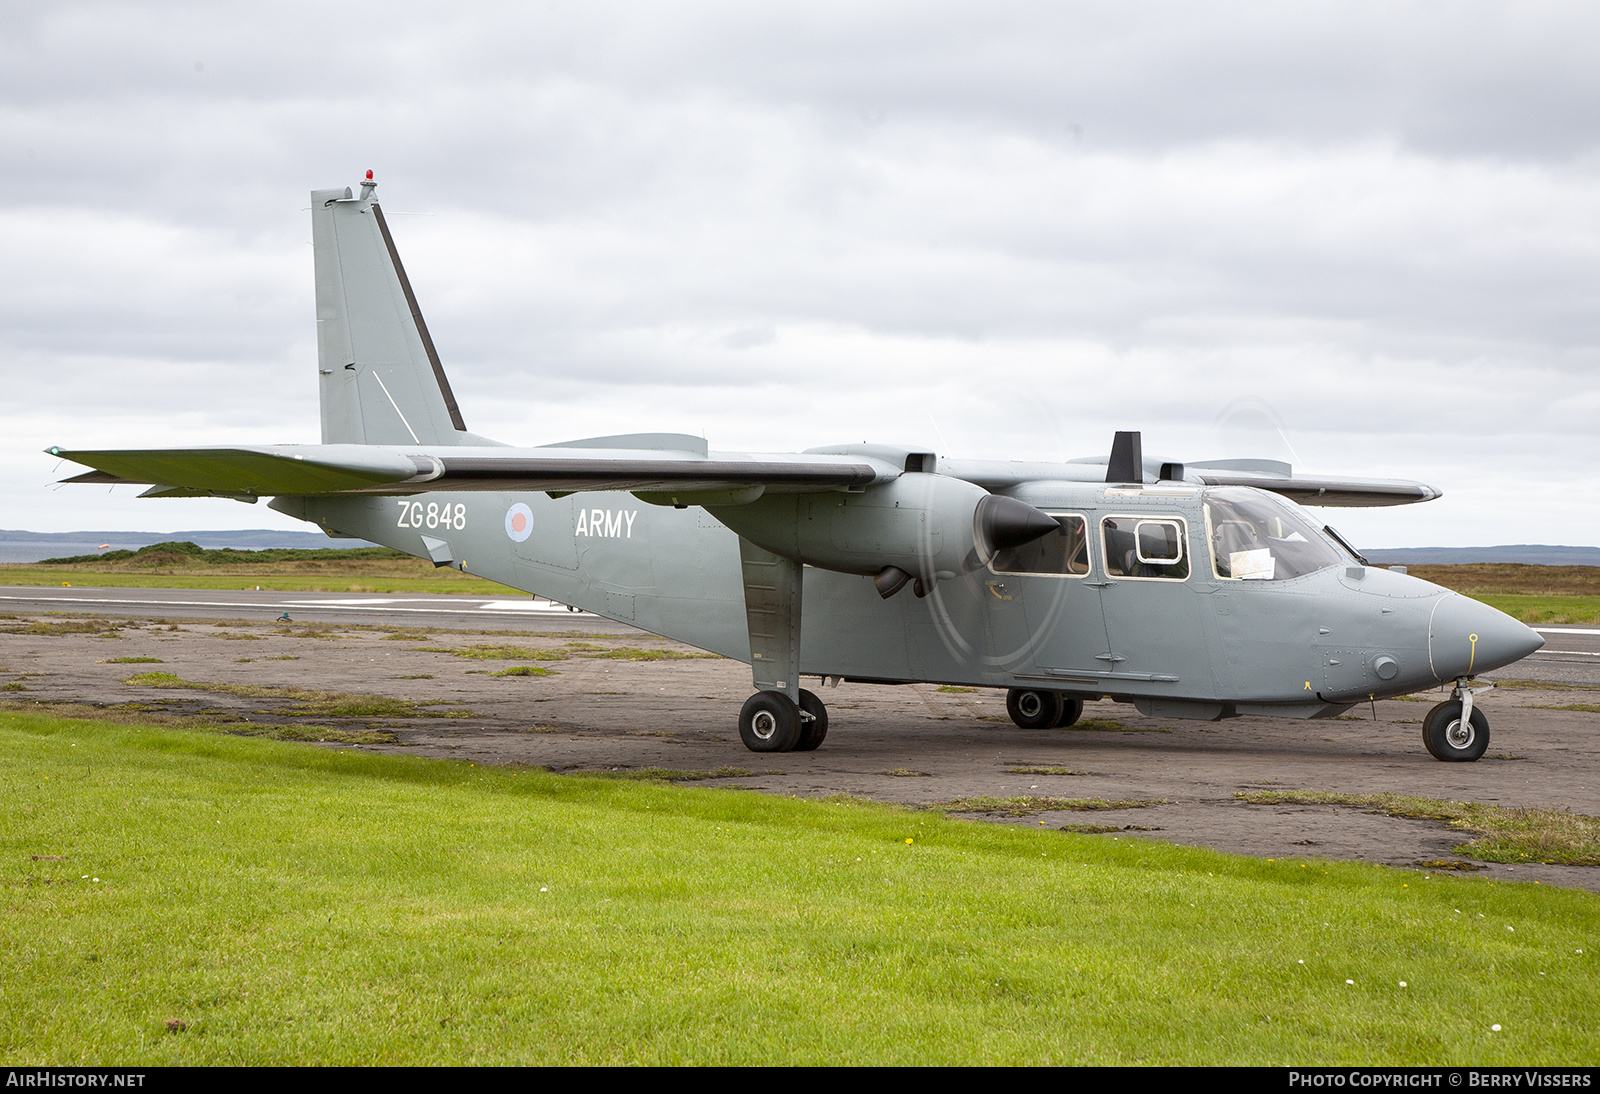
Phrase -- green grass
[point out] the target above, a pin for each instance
(631, 653)
(1540, 685)
(1503, 835)
(1545, 609)
(284, 903)
(57, 627)
(444, 580)
(497, 653)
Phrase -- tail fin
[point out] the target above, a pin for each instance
(381, 380)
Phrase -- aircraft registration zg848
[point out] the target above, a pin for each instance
(1198, 590)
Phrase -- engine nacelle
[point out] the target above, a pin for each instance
(926, 526)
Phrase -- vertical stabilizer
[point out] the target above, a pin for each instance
(380, 377)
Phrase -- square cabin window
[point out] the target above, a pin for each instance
(1145, 547)
(1064, 551)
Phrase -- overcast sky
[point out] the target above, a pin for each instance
(1361, 237)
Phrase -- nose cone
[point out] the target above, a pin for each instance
(1466, 637)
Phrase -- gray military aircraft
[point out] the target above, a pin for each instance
(1198, 590)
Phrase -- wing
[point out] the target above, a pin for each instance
(383, 469)
(662, 468)
(1338, 493)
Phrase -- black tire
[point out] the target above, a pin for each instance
(1032, 708)
(1427, 727)
(769, 722)
(1448, 739)
(812, 732)
(1071, 711)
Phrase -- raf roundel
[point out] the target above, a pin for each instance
(519, 522)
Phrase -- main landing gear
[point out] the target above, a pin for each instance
(1032, 708)
(772, 722)
(1453, 730)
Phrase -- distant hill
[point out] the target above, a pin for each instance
(1532, 554)
(22, 546)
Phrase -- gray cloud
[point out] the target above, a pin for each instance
(1008, 229)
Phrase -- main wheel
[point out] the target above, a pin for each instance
(814, 730)
(1071, 711)
(769, 722)
(1033, 709)
(1449, 737)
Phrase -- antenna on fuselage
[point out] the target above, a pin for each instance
(1126, 464)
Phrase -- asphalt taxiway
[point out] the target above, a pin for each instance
(915, 744)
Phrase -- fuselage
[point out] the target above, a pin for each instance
(1189, 601)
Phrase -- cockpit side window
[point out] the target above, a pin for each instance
(1061, 552)
(1145, 547)
(1256, 537)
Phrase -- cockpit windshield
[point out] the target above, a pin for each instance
(1257, 537)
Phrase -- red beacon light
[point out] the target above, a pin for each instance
(369, 176)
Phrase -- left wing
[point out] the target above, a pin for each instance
(274, 470)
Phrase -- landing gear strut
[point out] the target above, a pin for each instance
(1453, 730)
(782, 716)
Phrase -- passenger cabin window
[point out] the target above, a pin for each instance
(1061, 552)
(1145, 547)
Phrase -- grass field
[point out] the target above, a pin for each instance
(185, 566)
(1544, 609)
(181, 896)
(413, 576)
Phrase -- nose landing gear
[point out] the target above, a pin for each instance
(1453, 730)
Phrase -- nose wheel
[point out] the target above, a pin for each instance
(1454, 730)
